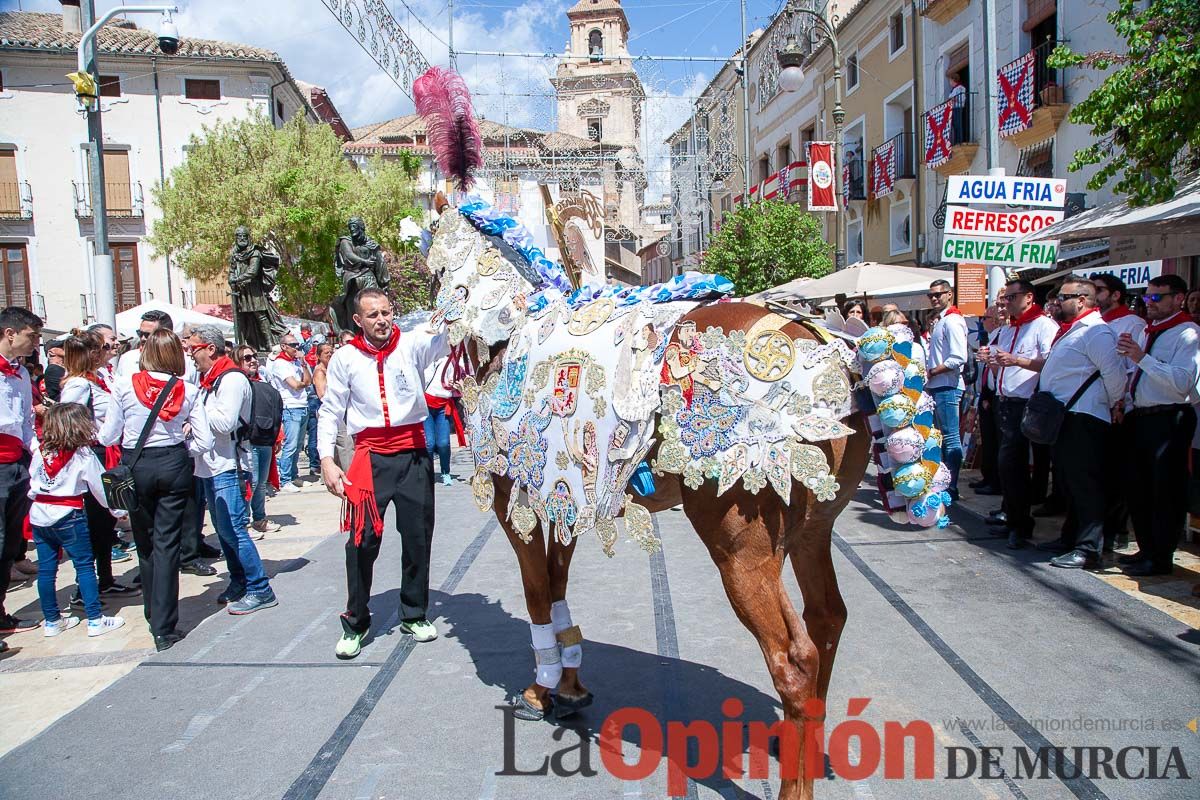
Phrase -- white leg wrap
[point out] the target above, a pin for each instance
(545, 652)
(560, 618)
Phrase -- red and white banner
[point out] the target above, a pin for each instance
(821, 195)
(779, 184)
(883, 168)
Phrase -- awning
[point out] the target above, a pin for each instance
(1178, 216)
(864, 279)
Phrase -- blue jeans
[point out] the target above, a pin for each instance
(226, 496)
(71, 534)
(437, 437)
(293, 434)
(314, 461)
(947, 401)
(258, 479)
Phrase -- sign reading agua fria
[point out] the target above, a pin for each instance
(999, 252)
(1007, 190)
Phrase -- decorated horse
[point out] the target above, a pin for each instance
(596, 403)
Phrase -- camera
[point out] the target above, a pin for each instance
(168, 36)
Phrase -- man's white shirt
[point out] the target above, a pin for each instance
(1172, 369)
(279, 370)
(1031, 340)
(947, 347)
(225, 408)
(352, 388)
(1088, 345)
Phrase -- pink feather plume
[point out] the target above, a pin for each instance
(444, 102)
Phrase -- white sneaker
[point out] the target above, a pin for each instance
(59, 625)
(264, 526)
(290, 488)
(99, 627)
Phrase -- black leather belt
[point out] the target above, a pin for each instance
(1146, 411)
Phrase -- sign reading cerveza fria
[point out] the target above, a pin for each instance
(999, 252)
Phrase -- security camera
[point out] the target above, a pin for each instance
(168, 36)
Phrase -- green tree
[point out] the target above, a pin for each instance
(1145, 116)
(765, 244)
(295, 190)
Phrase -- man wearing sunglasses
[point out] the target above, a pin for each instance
(1021, 347)
(1162, 422)
(131, 361)
(944, 362)
(1085, 374)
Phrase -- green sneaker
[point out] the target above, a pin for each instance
(349, 646)
(421, 629)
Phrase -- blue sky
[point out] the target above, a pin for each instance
(318, 50)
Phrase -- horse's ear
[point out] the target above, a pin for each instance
(440, 202)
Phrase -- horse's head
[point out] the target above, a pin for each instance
(489, 272)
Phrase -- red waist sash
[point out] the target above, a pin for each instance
(360, 508)
(75, 501)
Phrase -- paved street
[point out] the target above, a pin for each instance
(945, 625)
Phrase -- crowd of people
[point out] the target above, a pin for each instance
(201, 426)
(1125, 387)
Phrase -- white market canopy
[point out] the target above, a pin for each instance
(864, 279)
(1176, 217)
(128, 321)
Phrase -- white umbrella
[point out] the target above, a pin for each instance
(864, 279)
(128, 321)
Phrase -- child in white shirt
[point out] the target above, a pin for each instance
(63, 471)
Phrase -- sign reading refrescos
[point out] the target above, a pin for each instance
(1007, 190)
(821, 196)
(1000, 252)
(1135, 276)
(998, 223)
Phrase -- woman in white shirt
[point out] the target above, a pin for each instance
(83, 355)
(163, 475)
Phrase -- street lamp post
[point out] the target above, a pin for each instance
(168, 42)
(791, 79)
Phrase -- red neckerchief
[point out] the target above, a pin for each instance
(950, 310)
(380, 354)
(284, 355)
(1033, 312)
(147, 387)
(1066, 326)
(1116, 312)
(55, 463)
(1153, 329)
(95, 378)
(10, 368)
(220, 367)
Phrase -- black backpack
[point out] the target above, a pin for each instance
(266, 413)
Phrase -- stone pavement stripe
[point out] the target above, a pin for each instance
(208, 648)
(317, 621)
(978, 745)
(1081, 786)
(668, 640)
(488, 792)
(310, 783)
(70, 662)
(264, 664)
(201, 721)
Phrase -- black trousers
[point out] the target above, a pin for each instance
(1116, 513)
(1013, 462)
(1157, 480)
(1040, 484)
(193, 522)
(163, 480)
(989, 439)
(102, 531)
(405, 479)
(14, 508)
(1080, 464)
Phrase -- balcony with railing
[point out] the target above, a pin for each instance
(951, 142)
(896, 157)
(16, 200)
(122, 200)
(1049, 106)
(856, 178)
(941, 11)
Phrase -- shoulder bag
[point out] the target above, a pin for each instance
(118, 481)
(1044, 413)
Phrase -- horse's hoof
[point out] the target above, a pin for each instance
(565, 706)
(523, 709)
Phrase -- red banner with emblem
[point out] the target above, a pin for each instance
(821, 194)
